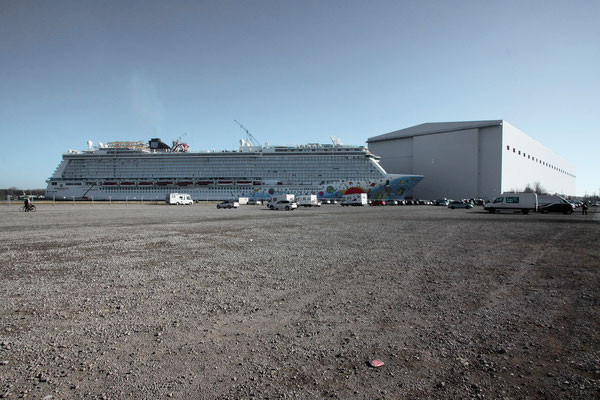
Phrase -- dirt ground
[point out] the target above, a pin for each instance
(152, 301)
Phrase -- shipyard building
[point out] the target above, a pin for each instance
(473, 159)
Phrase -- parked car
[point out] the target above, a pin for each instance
(254, 202)
(284, 205)
(377, 203)
(459, 204)
(228, 204)
(391, 203)
(565, 208)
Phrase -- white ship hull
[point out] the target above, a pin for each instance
(135, 171)
(393, 187)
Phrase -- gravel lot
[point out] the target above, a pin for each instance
(152, 301)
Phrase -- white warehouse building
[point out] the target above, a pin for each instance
(473, 159)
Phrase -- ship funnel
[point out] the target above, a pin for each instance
(90, 144)
(242, 143)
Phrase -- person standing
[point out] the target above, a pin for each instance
(584, 209)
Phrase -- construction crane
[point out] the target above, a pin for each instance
(249, 136)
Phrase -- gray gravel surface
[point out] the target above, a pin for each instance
(152, 301)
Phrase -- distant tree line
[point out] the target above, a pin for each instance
(537, 188)
(14, 192)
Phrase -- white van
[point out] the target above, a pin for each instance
(509, 201)
(179, 198)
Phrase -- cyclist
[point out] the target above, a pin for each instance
(27, 203)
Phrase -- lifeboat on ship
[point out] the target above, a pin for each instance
(185, 183)
(109, 183)
(257, 183)
(243, 183)
(224, 182)
(145, 183)
(164, 183)
(128, 183)
(204, 183)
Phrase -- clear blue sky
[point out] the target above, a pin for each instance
(292, 72)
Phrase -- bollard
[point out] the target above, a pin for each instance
(53, 200)
(8, 199)
(73, 200)
(92, 200)
(110, 200)
(126, 198)
(142, 199)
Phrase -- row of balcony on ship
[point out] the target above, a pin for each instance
(178, 183)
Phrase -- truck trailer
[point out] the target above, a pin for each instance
(309, 200)
(355, 199)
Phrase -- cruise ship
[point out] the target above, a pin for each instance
(150, 171)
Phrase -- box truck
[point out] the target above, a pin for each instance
(179, 198)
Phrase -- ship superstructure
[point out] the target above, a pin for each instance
(149, 171)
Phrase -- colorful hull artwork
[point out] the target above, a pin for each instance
(394, 190)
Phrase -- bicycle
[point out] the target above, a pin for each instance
(31, 208)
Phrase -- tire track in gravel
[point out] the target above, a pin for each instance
(526, 266)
